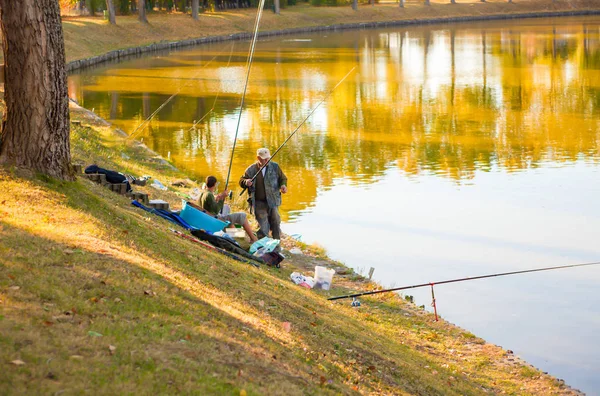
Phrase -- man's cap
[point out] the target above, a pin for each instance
(263, 153)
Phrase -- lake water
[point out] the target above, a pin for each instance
(450, 151)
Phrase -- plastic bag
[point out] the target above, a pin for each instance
(301, 280)
(269, 245)
(195, 194)
(158, 185)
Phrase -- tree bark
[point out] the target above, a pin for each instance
(276, 8)
(142, 11)
(195, 6)
(110, 7)
(401, 3)
(35, 128)
(355, 5)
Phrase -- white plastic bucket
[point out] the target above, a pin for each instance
(323, 277)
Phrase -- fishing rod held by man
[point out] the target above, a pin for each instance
(245, 186)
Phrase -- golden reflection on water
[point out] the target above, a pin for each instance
(441, 99)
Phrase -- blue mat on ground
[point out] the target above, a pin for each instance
(165, 214)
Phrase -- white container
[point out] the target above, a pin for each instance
(235, 232)
(323, 277)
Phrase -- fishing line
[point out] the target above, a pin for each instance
(218, 94)
(147, 120)
(299, 126)
(252, 47)
(461, 280)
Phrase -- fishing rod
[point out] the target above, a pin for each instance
(298, 127)
(459, 280)
(250, 56)
(216, 249)
(147, 120)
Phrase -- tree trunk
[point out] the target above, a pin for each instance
(195, 6)
(110, 8)
(91, 4)
(35, 128)
(276, 7)
(401, 3)
(142, 11)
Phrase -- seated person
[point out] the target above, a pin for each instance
(213, 204)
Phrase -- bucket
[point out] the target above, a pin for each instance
(323, 277)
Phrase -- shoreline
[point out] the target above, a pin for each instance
(123, 54)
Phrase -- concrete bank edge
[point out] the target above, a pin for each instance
(124, 53)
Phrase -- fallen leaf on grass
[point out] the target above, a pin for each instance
(14, 287)
(48, 323)
(149, 293)
(68, 251)
(11, 276)
(287, 326)
(261, 303)
(322, 380)
(94, 334)
(243, 392)
(112, 349)
(18, 362)
(313, 324)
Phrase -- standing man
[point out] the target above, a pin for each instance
(265, 192)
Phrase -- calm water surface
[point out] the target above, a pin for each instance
(451, 151)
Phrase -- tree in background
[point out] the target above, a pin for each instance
(35, 128)
(142, 11)
(195, 6)
(110, 8)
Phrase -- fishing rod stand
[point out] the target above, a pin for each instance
(433, 303)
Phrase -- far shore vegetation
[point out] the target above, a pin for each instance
(87, 36)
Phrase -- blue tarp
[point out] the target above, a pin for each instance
(165, 214)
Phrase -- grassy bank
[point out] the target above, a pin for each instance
(98, 296)
(86, 37)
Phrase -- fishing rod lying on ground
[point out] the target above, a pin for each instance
(457, 280)
(298, 127)
(217, 249)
